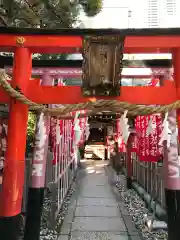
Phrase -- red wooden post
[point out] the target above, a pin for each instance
(37, 185)
(13, 180)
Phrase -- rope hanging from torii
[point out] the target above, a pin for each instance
(93, 107)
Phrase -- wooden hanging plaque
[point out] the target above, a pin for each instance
(102, 65)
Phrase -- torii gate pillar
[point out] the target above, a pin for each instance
(172, 167)
(13, 178)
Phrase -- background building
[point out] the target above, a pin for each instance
(154, 13)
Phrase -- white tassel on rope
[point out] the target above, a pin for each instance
(124, 127)
(77, 130)
(77, 134)
(76, 123)
(166, 132)
(76, 120)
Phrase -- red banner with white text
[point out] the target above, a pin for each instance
(67, 137)
(134, 143)
(148, 147)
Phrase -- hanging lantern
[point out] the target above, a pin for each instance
(102, 65)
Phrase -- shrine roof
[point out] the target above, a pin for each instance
(157, 63)
(86, 31)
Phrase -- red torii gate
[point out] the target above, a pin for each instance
(24, 42)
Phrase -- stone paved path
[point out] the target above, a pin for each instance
(95, 214)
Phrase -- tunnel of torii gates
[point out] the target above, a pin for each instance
(24, 42)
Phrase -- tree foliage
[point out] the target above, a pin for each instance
(45, 13)
(30, 132)
(91, 7)
(31, 124)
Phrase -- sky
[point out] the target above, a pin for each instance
(115, 15)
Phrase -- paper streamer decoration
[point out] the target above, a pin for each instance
(166, 132)
(58, 133)
(41, 131)
(151, 126)
(124, 127)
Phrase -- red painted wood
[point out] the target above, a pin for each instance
(72, 95)
(69, 44)
(13, 178)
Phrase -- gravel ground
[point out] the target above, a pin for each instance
(137, 209)
(45, 232)
(134, 204)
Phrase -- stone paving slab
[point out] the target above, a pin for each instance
(94, 181)
(66, 228)
(89, 184)
(100, 224)
(63, 237)
(97, 236)
(135, 238)
(97, 191)
(108, 202)
(97, 211)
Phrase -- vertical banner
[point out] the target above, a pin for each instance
(3, 144)
(134, 145)
(110, 141)
(72, 137)
(118, 137)
(148, 140)
(148, 147)
(153, 142)
(159, 131)
(142, 138)
(82, 122)
(53, 138)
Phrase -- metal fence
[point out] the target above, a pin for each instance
(26, 182)
(150, 177)
(60, 175)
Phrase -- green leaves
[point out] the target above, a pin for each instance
(31, 124)
(92, 7)
(45, 13)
